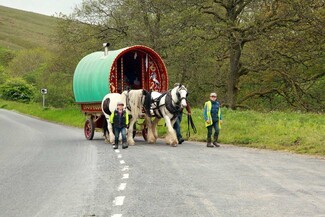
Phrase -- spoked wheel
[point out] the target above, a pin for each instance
(89, 129)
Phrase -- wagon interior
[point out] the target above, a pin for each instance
(129, 71)
(137, 69)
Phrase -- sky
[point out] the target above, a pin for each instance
(47, 7)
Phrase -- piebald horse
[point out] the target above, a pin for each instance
(166, 105)
(133, 100)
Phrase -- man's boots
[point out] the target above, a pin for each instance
(209, 143)
(215, 142)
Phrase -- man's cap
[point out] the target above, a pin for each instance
(176, 84)
(120, 103)
(213, 94)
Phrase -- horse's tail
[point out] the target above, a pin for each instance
(106, 106)
(147, 101)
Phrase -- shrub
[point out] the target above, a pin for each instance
(17, 89)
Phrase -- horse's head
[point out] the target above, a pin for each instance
(181, 92)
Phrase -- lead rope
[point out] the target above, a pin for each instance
(190, 123)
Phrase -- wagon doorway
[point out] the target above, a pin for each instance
(136, 67)
(130, 71)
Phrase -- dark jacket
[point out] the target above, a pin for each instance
(119, 119)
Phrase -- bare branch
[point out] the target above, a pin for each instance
(242, 4)
(258, 93)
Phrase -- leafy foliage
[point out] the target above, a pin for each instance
(239, 48)
(17, 90)
(263, 55)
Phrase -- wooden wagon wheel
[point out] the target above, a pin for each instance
(89, 129)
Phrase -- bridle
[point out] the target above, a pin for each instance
(179, 95)
(172, 106)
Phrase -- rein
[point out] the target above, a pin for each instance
(190, 122)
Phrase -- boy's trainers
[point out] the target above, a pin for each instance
(124, 146)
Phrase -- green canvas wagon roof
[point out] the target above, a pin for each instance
(96, 74)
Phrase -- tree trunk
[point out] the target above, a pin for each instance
(234, 69)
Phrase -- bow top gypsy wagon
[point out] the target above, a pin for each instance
(103, 72)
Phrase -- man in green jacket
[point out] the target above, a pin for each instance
(213, 119)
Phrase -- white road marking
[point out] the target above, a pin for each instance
(125, 176)
(122, 187)
(119, 201)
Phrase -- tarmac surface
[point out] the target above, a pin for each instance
(49, 169)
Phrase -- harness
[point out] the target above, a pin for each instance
(173, 107)
(169, 104)
(157, 105)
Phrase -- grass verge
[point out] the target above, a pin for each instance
(290, 131)
(71, 116)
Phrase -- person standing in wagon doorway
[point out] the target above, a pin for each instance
(213, 119)
(120, 121)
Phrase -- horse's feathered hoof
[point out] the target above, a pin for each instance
(151, 141)
(131, 142)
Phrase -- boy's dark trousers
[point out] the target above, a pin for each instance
(117, 131)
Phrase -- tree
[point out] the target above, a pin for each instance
(238, 47)
(241, 22)
(289, 62)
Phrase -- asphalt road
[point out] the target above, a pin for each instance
(51, 170)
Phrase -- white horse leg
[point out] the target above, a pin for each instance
(171, 138)
(111, 134)
(130, 139)
(150, 135)
(154, 128)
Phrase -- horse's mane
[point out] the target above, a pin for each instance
(135, 100)
(147, 101)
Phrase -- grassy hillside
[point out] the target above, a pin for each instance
(21, 29)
